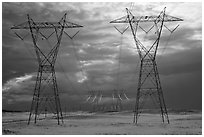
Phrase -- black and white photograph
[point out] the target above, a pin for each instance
(102, 68)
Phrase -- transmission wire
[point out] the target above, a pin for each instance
(131, 6)
(165, 46)
(78, 60)
(119, 58)
(22, 39)
(60, 65)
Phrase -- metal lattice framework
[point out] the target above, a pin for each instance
(149, 84)
(46, 94)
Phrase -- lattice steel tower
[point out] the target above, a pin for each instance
(149, 82)
(46, 95)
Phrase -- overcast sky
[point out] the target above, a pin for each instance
(95, 65)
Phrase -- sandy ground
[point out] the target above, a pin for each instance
(79, 123)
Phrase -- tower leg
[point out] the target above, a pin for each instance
(56, 98)
(148, 84)
(161, 96)
(35, 101)
(45, 74)
(136, 109)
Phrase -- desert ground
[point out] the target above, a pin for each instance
(111, 123)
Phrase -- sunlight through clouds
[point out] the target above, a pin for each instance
(16, 82)
(81, 77)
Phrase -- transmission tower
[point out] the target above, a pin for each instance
(95, 98)
(149, 82)
(46, 76)
(118, 96)
(117, 101)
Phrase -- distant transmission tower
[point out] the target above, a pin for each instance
(149, 82)
(46, 98)
(95, 98)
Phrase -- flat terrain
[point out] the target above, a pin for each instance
(79, 123)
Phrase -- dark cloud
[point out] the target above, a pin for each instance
(184, 61)
(16, 63)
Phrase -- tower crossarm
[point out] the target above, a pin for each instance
(167, 18)
(134, 19)
(46, 25)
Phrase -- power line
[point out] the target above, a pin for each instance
(119, 58)
(80, 66)
(68, 79)
(59, 62)
(22, 39)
